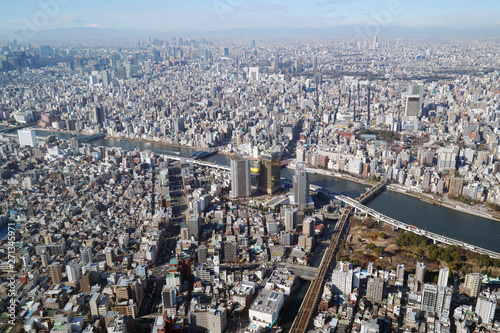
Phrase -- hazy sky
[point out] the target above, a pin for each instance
(168, 15)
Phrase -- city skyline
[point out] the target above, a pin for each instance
(238, 14)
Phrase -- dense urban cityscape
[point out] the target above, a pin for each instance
(233, 185)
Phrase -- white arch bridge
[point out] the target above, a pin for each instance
(435, 237)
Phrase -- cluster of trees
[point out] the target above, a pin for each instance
(377, 249)
(447, 254)
(385, 135)
(407, 239)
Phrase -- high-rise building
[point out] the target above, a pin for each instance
(375, 289)
(202, 254)
(315, 64)
(95, 300)
(240, 177)
(253, 73)
(110, 257)
(230, 252)
(420, 272)
(412, 105)
(301, 186)
(270, 172)
(73, 271)
(213, 319)
(45, 259)
(55, 271)
(472, 284)
(87, 255)
(291, 219)
(400, 274)
(429, 298)
(27, 137)
(342, 281)
(486, 307)
(443, 303)
(444, 273)
(168, 296)
(308, 226)
(99, 116)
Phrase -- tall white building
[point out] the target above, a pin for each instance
(253, 73)
(27, 137)
(73, 271)
(444, 273)
(443, 303)
(240, 178)
(473, 284)
(429, 298)
(420, 272)
(342, 281)
(486, 307)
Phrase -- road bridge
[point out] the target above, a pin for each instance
(401, 225)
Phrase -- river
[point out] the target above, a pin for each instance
(472, 229)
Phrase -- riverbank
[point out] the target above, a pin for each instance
(444, 202)
(447, 203)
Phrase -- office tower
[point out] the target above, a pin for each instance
(230, 252)
(443, 303)
(400, 275)
(179, 125)
(472, 284)
(226, 51)
(105, 78)
(369, 270)
(240, 177)
(27, 137)
(87, 255)
(270, 172)
(420, 272)
(447, 158)
(168, 296)
(443, 276)
(253, 73)
(412, 105)
(110, 257)
(95, 300)
(55, 271)
(375, 289)
(291, 219)
(486, 307)
(375, 42)
(308, 227)
(368, 104)
(202, 254)
(301, 186)
(276, 64)
(98, 116)
(315, 64)
(342, 281)
(429, 298)
(73, 271)
(194, 225)
(45, 259)
(252, 43)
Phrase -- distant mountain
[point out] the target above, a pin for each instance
(351, 31)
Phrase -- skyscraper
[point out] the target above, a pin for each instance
(99, 116)
(412, 105)
(375, 289)
(486, 307)
(87, 256)
(55, 271)
(400, 275)
(473, 284)
(253, 74)
(27, 137)
(443, 276)
(240, 177)
(300, 186)
(110, 257)
(230, 252)
(291, 219)
(202, 254)
(73, 271)
(420, 272)
(270, 172)
(429, 298)
(443, 303)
